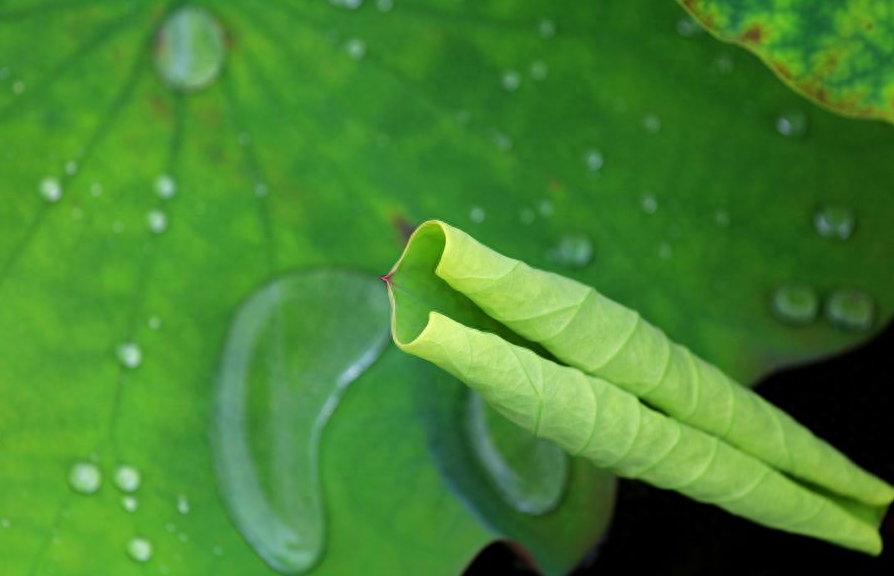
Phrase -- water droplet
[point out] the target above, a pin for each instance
(356, 48)
(129, 503)
(531, 474)
(84, 477)
(539, 70)
(127, 478)
(165, 186)
(18, 87)
(5, 523)
(502, 141)
(652, 123)
(649, 203)
(139, 549)
(183, 504)
(183, 537)
(852, 310)
(477, 214)
(4, 73)
(546, 208)
(573, 251)
(190, 49)
(270, 407)
(130, 355)
(665, 251)
(792, 123)
(170, 527)
(51, 189)
(385, 5)
(721, 218)
(687, 26)
(593, 159)
(157, 221)
(463, 116)
(217, 550)
(724, 64)
(244, 138)
(546, 28)
(834, 222)
(347, 4)
(96, 189)
(526, 216)
(71, 167)
(154, 322)
(795, 303)
(261, 190)
(510, 80)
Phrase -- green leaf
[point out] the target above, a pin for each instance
(838, 54)
(139, 209)
(715, 441)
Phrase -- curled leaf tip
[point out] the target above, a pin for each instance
(572, 366)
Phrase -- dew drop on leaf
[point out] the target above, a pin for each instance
(126, 478)
(183, 504)
(51, 189)
(649, 203)
(165, 186)
(593, 160)
(792, 123)
(190, 49)
(139, 549)
(356, 48)
(539, 70)
(573, 251)
(546, 28)
(477, 214)
(157, 221)
(834, 222)
(652, 124)
(385, 5)
(510, 80)
(84, 477)
(851, 310)
(530, 474)
(129, 503)
(795, 303)
(130, 355)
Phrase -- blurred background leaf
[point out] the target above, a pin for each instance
(155, 178)
(838, 54)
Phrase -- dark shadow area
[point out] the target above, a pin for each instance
(848, 400)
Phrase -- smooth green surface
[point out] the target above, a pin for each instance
(705, 435)
(836, 52)
(304, 151)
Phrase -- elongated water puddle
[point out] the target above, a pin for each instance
(292, 350)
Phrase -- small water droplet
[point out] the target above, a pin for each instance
(183, 504)
(127, 478)
(526, 216)
(157, 221)
(96, 189)
(84, 477)
(477, 214)
(834, 222)
(51, 189)
(170, 527)
(18, 87)
(5, 523)
(593, 159)
(721, 218)
(652, 123)
(154, 322)
(851, 310)
(189, 49)
(261, 190)
(546, 28)
(665, 251)
(356, 48)
(165, 186)
(573, 251)
(71, 167)
(139, 549)
(502, 141)
(385, 5)
(687, 26)
(4, 73)
(792, 123)
(463, 116)
(546, 208)
(130, 355)
(347, 4)
(539, 70)
(217, 550)
(510, 80)
(129, 503)
(244, 138)
(795, 303)
(183, 537)
(649, 203)
(724, 64)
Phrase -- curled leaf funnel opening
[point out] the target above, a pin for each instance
(572, 366)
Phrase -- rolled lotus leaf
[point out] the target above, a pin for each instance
(584, 329)
(573, 367)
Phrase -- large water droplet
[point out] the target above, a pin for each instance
(190, 49)
(139, 549)
(130, 355)
(792, 123)
(165, 186)
(127, 478)
(573, 251)
(795, 303)
(531, 474)
(834, 222)
(84, 477)
(51, 189)
(850, 309)
(293, 348)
